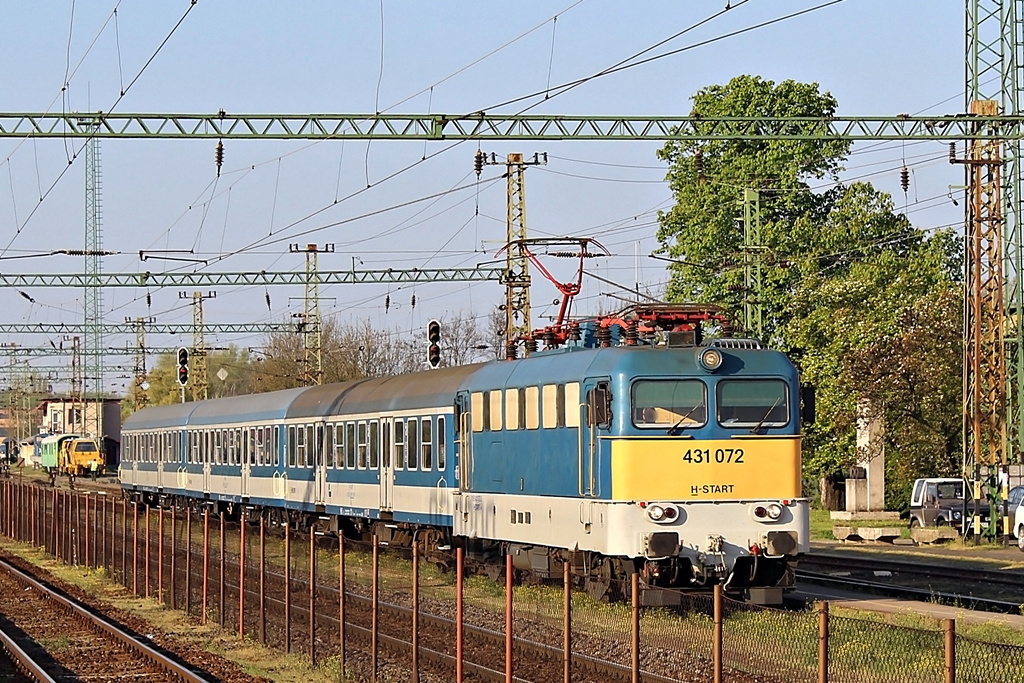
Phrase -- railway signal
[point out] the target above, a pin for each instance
(182, 366)
(434, 349)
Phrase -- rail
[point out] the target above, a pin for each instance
(23, 661)
(106, 627)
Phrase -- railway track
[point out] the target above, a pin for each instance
(16, 663)
(979, 589)
(67, 639)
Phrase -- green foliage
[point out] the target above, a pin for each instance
(863, 301)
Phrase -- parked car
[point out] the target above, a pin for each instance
(1018, 521)
(941, 502)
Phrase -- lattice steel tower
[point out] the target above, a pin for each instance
(93, 381)
(993, 366)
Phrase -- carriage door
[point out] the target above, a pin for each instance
(464, 439)
(159, 451)
(320, 477)
(206, 439)
(593, 419)
(248, 448)
(387, 472)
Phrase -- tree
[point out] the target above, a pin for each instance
(840, 269)
(707, 179)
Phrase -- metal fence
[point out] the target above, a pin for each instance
(285, 588)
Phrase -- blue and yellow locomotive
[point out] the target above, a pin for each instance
(677, 459)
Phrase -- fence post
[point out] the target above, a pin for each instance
(374, 607)
(634, 581)
(241, 575)
(220, 604)
(160, 556)
(287, 587)
(717, 638)
(341, 600)
(206, 562)
(146, 573)
(949, 628)
(135, 548)
(312, 595)
(174, 555)
(54, 525)
(460, 562)
(188, 558)
(823, 642)
(509, 577)
(124, 542)
(263, 580)
(567, 622)
(415, 611)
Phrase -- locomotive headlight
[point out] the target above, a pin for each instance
(709, 358)
(661, 513)
(767, 512)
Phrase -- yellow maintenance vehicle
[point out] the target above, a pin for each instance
(81, 456)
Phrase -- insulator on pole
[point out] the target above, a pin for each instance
(952, 152)
(219, 156)
(387, 303)
(698, 164)
(267, 296)
(478, 162)
(904, 178)
(413, 302)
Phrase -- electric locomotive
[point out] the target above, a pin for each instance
(623, 447)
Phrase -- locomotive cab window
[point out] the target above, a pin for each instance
(753, 403)
(669, 403)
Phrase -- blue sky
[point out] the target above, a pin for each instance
(877, 58)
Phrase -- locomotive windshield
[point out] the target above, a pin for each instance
(753, 403)
(662, 403)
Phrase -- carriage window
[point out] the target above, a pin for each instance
(753, 403)
(339, 444)
(426, 444)
(311, 446)
(399, 444)
(512, 409)
(239, 452)
(293, 444)
(350, 445)
(440, 443)
(277, 446)
(664, 404)
(411, 436)
(374, 446)
(362, 445)
(329, 446)
(259, 445)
